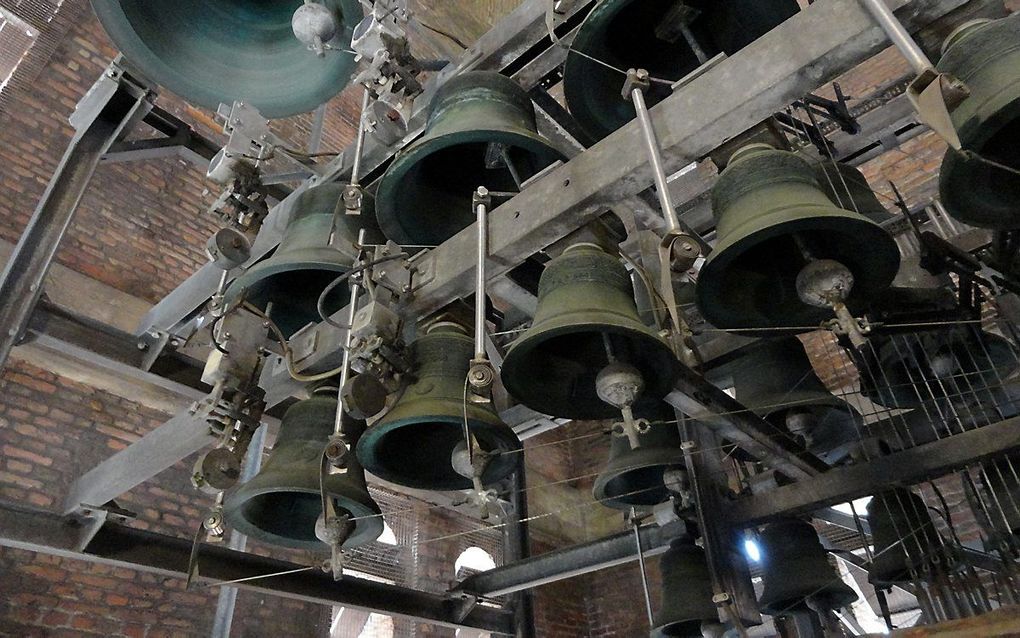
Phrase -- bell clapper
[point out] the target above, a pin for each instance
(334, 531)
(471, 464)
(825, 283)
(315, 26)
(620, 384)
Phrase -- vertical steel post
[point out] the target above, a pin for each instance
(518, 547)
(228, 595)
(110, 108)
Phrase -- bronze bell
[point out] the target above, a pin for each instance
(985, 55)
(636, 477)
(686, 592)
(305, 262)
(283, 502)
(650, 34)
(211, 52)
(908, 371)
(413, 444)
(584, 297)
(775, 380)
(903, 536)
(481, 132)
(773, 219)
(797, 573)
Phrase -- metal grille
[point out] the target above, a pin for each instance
(30, 32)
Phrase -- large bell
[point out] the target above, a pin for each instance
(636, 477)
(413, 444)
(584, 297)
(283, 502)
(686, 592)
(772, 219)
(985, 55)
(908, 371)
(903, 536)
(211, 52)
(305, 262)
(649, 34)
(775, 380)
(481, 132)
(797, 573)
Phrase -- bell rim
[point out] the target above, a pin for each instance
(388, 212)
(664, 459)
(368, 527)
(501, 467)
(117, 25)
(880, 244)
(513, 363)
(685, 627)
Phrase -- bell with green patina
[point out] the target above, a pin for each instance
(650, 34)
(797, 574)
(413, 444)
(283, 502)
(904, 538)
(481, 132)
(686, 592)
(221, 51)
(637, 477)
(773, 219)
(775, 380)
(848, 188)
(585, 298)
(985, 55)
(305, 262)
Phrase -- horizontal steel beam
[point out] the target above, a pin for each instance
(48, 533)
(908, 467)
(566, 563)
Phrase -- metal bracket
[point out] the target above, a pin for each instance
(934, 96)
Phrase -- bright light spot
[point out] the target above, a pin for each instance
(474, 558)
(387, 537)
(752, 551)
(860, 505)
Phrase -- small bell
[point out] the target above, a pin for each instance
(903, 536)
(686, 592)
(586, 320)
(798, 575)
(282, 504)
(414, 443)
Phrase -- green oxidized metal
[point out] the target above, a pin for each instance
(797, 570)
(305, 263)
(686, 592)
(634, 477)
(425, 196)
(412, 445)
(221, 51)
(582, 295)
(282, 503)
(985, 55)
(629, 34)
(763, 201)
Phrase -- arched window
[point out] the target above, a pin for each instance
(387, 537)
(471, 561)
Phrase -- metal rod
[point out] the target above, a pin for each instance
(482, 217)
(359, 141)
(518, 548)
(315, 136)
(644, 575)
(898, 35)
(655, 159)
(227, 598)
(345, 363)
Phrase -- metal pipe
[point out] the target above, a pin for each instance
(315, 136)
(345, 363)
(518, 548)
(644, 575)
(359, 141)
(898, 35)
(481, 213)
(227, 598)
(655, 159)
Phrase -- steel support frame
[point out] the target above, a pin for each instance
(114, 544)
